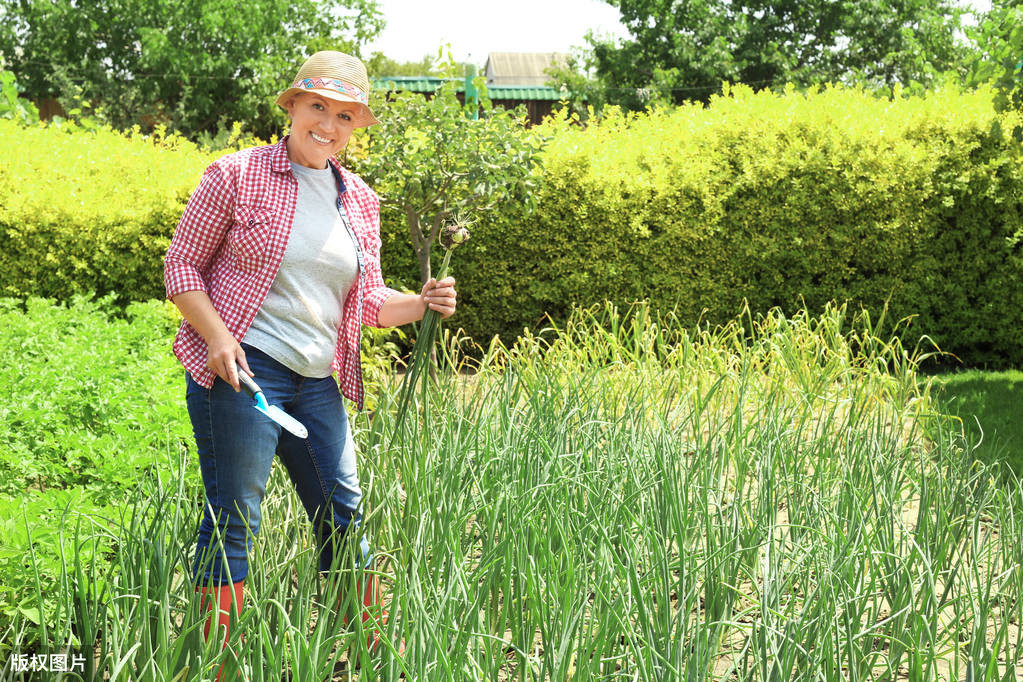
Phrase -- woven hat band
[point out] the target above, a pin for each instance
(334, 84)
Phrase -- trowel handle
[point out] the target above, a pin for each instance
(247, 384)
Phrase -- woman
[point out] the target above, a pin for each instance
(275, 265)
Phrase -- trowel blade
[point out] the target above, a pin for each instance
(286, 420)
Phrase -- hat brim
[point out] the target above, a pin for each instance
(365, 117)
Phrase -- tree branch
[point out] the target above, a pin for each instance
(437, 220)
(448, 179)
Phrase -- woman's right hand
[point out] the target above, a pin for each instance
(224, 356)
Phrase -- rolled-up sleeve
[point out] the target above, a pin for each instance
(376, 291)
(199, 234)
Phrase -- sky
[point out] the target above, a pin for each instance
(474, 28)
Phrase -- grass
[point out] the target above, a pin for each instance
(990, 405)
(778, 499)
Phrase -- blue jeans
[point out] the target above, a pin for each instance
(236, 446)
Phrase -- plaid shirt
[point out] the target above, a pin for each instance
(230, 242)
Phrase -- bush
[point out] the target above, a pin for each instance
(90, 210)
(94, 406)
(11, 105)
(777, 199)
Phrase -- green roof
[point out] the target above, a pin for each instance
(413, 83)
(525, 92)
(499, 92)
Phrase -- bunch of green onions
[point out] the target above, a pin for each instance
(453, 235)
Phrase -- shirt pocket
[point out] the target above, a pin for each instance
(249, 239)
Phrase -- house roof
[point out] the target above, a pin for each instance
(413, 83)
(495, 92)
(521, 68)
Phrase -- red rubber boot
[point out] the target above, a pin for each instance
(372, 603)
(224, 597)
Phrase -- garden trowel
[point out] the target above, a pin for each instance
(277, 414)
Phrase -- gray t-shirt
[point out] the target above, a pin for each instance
(297, 325)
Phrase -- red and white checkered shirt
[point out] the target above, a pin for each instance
(230, 242)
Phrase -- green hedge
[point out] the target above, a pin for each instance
(776, 199)
(773, 198)
(90, 211)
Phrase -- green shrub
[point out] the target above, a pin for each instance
(90, 210)
(92, 398)
(773, 198)
(94, 405)
(11, 105)
(779, 199)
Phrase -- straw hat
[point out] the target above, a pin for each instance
(335, 75)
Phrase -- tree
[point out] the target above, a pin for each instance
(685, 49)
(443, 65)
(192, 65)
(575, 78)
(430, 160)
(12, 105)
(999, 57)
(379, 65)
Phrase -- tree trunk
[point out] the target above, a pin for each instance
(424, 265)
(420, 243)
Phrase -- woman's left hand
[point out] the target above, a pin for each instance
(439, 296)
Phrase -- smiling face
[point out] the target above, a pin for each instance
(320, 128)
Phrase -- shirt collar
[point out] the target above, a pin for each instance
(280, 163)
(338, 174)
(279, 157)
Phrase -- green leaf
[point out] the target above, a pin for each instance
(31, 613)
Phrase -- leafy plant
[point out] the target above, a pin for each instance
(192, 67)
(428, 159)
(999, 37)
(618, 497)
(86, 385)
(12, 105)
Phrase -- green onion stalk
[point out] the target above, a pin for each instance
(452, 235)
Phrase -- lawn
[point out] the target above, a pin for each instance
(778, 499)
(990, 405)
